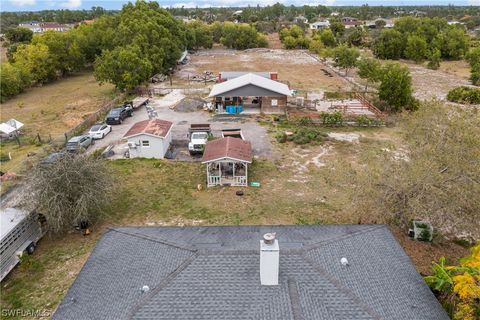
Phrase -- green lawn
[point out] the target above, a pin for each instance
(300, 187)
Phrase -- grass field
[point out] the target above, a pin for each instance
(51, 110)
(301, 187)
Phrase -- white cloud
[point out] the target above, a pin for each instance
(71, 4)
(474, 2)
(22, 3)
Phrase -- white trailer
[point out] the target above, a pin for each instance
(19, 233)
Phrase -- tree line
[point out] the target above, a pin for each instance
(125, 49)
(9, 20)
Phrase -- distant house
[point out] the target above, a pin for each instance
(372, 24)
(300, 19)
(38, 27)
(149, 138)
(417, 13)
(309, 272)
(227, 161)
(320, 25)
(53, 26)
(183, 18)
(34, 26)
(350, 22)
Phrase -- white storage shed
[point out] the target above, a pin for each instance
(149, 138)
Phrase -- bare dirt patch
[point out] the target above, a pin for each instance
(301, 70)
(429, 84)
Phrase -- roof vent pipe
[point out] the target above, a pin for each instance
(269, 260)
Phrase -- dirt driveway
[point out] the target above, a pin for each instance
(252, 131)
(118, 131)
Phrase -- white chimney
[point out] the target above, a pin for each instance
(269, 260)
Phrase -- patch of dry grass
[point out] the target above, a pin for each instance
(58, 106)
(50, 111)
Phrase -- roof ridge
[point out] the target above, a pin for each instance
(162, 284)
(340, 287)
(154, 239)
(346, 236)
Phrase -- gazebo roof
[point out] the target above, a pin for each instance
(229, 147)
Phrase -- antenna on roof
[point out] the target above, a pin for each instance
(344, 261)
(145, 289)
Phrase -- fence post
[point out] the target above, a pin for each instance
(66, 137)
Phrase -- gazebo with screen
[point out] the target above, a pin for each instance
(227, 161)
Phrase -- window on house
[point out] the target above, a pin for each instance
(274, 102)
(145, 143)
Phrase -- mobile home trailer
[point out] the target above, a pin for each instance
(19, 233)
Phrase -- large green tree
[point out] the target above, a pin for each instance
(19, 34)
(37, 60)
(396, 87)
(416, 48)
(12, 80)
(473, 58)
(125, 67)
(389, 45)
(369, 69)
(64, 50)
(345, 57)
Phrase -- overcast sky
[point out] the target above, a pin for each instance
(35, 5)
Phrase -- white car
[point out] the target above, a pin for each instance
(99, 131)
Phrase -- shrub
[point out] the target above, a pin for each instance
(335, 118)
(465, 95)
(281, 137)
(307, 135)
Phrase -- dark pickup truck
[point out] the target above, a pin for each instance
(117, 115)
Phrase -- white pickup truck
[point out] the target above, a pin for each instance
(19, 232)
(198, 135)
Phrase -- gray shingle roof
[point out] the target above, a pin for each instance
(213, 273)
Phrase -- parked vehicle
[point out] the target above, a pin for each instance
(99, 131)
(79, 143)
(117, 115)
(52, 158)
(198, 135)
(19, 233)
(138, 102)
(234, 133)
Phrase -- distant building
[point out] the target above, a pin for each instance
(300, 19)
(372, 24)
(39, 27)
(320, 25)
(183, 18)
(350, 22)
(53, 26)
(417, 13)
(34, 26)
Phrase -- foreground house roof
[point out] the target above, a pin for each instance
(251, 83)
(213, 273)
(154, 127)
(229, 147)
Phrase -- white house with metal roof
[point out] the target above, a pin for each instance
(250, 92)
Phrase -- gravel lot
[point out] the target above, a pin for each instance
(252, 131)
